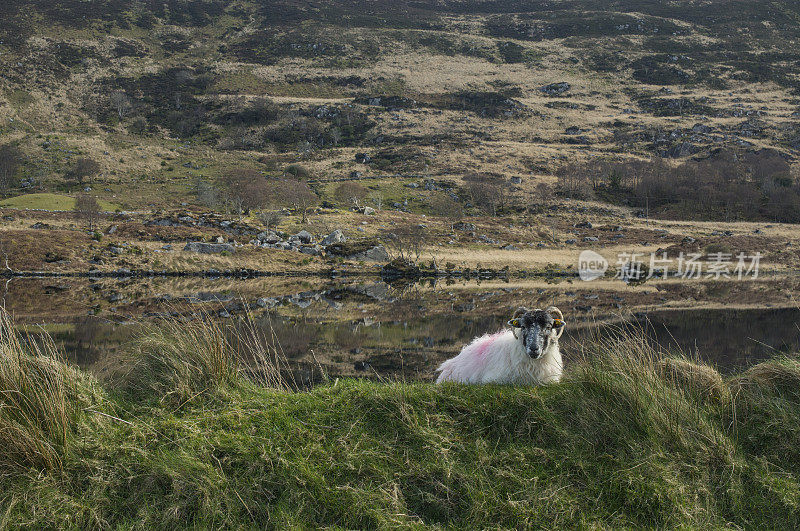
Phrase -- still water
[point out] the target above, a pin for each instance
(363, 327)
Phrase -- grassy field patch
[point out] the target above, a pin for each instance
(46, 201)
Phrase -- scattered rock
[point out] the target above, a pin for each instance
(555, 89)
(464, 227)
(209, 248)
(584, 225)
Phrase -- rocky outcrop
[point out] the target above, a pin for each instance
(375, 254)
(209, 248)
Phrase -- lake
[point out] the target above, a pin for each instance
(367, 328)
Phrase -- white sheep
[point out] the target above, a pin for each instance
(526, 354)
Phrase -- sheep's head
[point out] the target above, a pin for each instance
(538, 328)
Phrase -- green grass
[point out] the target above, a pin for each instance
(627, 440)
(46, 201)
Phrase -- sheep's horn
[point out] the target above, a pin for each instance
(559, 315)
(519, 311)
(553, 309)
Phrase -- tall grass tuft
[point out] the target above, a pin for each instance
(35, 410)
(177, 360)
(640, 389)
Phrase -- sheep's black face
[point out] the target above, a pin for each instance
(537, 329)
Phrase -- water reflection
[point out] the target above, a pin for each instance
(363, 327)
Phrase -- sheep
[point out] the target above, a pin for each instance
(528, 353)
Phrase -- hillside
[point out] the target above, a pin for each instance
(166, 94)
(525, 118)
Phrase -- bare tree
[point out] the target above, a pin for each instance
(351, 193)
(448, 208)
(294, 194)
(336, 135)
(406, 243)
(120, 102)
(84, 169)
(377, 199)
(487, 191)
(270, 218)
(87, 210)
(9, 162)
(246, 189)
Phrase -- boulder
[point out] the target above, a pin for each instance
(369, 211)
(209, 248)
(464, 226)
(684, 149)
(375, 254)
(313, 250)
(268, 237)
(304, 237)
(336, 236)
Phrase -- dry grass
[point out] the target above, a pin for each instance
(35, 410)
(178, 360)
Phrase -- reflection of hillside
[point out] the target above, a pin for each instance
(356, 326)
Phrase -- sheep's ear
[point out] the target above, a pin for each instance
(558, 323)
(515, 323)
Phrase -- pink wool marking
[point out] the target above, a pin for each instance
(484, 346)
